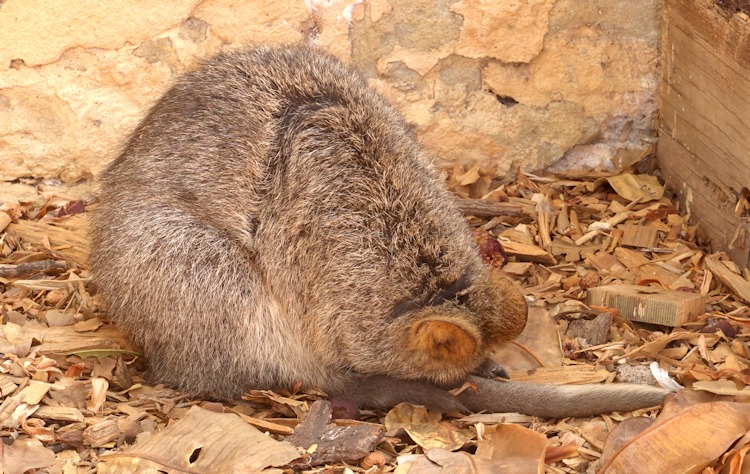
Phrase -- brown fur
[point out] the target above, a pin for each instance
(273, 220)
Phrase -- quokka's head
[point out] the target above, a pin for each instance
(450, 338)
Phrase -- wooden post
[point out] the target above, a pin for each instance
(704, 133)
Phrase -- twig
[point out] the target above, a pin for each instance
(529, 352)
(31, 267)
(478, 208)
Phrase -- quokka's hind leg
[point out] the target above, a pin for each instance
(197, 304)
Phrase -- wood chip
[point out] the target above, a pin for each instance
(518, 268)
(643, 268)
(489, 418)
(527, 253)
(74, 238)
(571, 251)
(4, 220)
(134, 414)
(332, 443)
(33, 393)
(59, 413)
(268, 426)
(7, 386)
(642, 236)
(101, 433)
(66, 339)
(567, 374)
(739, 286)
(594, 331)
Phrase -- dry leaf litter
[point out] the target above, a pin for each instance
(588, 250)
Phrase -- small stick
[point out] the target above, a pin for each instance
(529, 352)
(478, 208)
(543, 208)
(32, 267)
(576, 232)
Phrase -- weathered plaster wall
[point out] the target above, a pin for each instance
(484, 82)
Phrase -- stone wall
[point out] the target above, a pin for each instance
(486, 83)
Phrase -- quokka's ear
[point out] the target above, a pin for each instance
(444, 341)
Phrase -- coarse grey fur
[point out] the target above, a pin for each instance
(273, 220)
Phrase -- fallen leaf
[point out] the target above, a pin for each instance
(557, 453)
(642, 187)
(594, 432)
(405, 414)
(425, 428)
(436, 461)
(737, 464)
(72, 207)
(624, 432)
(202, 441)
(540, 336)
(470, 176)
(679, 440)
(103, 367)
(24, 455)
(89, 325)
(508, 448)
(15, 340)
(721, 387)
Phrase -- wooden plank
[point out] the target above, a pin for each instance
(704, 134)
(649, 305)
(642, 236)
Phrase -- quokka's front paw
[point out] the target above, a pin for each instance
(491, 369)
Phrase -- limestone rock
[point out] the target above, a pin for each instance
(509, 31)
(39, 34)
(492, 83)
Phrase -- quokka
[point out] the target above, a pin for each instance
(273, 220)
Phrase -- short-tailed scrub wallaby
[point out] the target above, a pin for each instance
(273, 220)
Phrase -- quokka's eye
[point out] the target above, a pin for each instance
(463, 299)
(456, 291)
